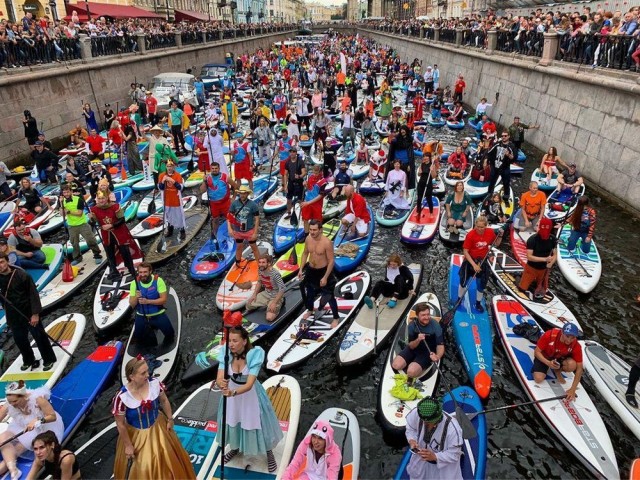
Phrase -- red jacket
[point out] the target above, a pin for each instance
(358, 206)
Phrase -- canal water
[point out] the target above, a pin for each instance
(520, 445)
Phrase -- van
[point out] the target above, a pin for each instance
(161, 87)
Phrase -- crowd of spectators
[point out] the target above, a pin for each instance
(33, 41)
(601, 38)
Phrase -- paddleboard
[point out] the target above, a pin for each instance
(549, 309)
(6, 214)
(420, 230)
(196, 425)
(389, 216)
(346, 435)
(285, 233)
(67, 330)
(276, 202)
(215, 256)
(610, 374)
(194, 179)
(634, 472)
(451, 178)
(459, 237)
(372, 187)
(344, 264)
(519, 239)
(238, 284)
(371, 327)
(293, 347)
(143, 209)
(57, 289)
(474, 460)
(543, 183)
(111, 300)
(477, 189)
(161, 357)
(152, 225)
(560, 205)
(392, 410)
(96, 458)
(506, 209)
(34, 221)
(582, 270)
(205, 363)
(472, 331)
(577, 424)
(195, 219)
(284, 393)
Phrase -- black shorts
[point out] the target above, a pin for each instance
(466, 274)
(411, 356)
(312, 276)
(295, 190)
(539, 367)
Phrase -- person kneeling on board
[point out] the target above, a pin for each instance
(317, 456)
(397, 283)
(147, 296)
(634, 376)
(269, 291)
(559, 350)
(426, 344)
(435, 438)
(541, 255)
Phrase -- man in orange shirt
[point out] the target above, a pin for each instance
(341, 78)
(171, 183)
(532, 205)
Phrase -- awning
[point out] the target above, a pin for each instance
(108, 10)
(190, 16)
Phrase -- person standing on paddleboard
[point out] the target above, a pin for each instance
(115, 234)
(147, 297)
(559, 350)
(541, 256)
(435, 439)
(214, 143)
(78, 225)
(21, 301)
(252, 427)
(171, 183)
(316, 271)
(476, 246)
(269, 290)
(500, 156)
(295, 172)
(634, 376)
(218, 187)
(244, 222)
(317, 456)
(311, 206)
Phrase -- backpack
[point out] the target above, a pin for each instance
(528, 330)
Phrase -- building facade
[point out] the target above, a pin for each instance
(319, 12)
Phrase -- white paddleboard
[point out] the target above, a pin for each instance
(582, 270)
(365, 335)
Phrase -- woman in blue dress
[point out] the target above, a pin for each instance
(90, 118)
(145, 427)
(252, 427)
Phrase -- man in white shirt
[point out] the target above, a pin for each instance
(214, 144)
(348, 128)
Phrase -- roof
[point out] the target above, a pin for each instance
(190, 16)
(108, 10)
(176, 75)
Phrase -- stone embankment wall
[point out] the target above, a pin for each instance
(54, 93)
(591, 116)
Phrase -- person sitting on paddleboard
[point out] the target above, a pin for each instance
(269, 290)
(541, 255)
(457, 204)
(311, 206)
(397, 283)
(317, 456)
(559, 350)
(570, 179)
(492, 209)
(457, 163)
(476, 246)
(396, 189)
(435, 439)
(531, 208)
(341, 178)
(583, 225)
(416, 357)
(147, 297)
(356, 213)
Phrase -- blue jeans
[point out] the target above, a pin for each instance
(36, 261)
(573, 240)
(155, 322)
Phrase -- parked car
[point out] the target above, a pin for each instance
(212, 73)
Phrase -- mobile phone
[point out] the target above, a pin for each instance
(415, 450)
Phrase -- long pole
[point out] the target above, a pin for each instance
(223, 443)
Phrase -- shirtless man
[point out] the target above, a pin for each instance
(318, 272)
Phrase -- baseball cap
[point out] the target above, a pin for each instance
(3, 241)
(570, 329)
(39, 143)
(571, 165)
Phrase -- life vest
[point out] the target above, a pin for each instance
(73, 220)
(218, 188)
(342, 178)
(284, 145)
(585, 221)
(150, 293)
(23, 245)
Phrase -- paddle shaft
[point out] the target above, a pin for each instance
(129, 465)
(223, 442)
(300, 334)
(9, 440)
(162, 245)
(468, 430)
(6, 301)
(516, 405)
(346, 230)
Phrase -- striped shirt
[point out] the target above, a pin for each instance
(272, 282)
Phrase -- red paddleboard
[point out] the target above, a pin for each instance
(419, 230)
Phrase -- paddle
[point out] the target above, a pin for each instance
(294, 217)
(151, 208)
(586, 272)
(129, 465)
(468, 430)
(515, 405)
(9, 440)
(448, 316)
(375, 333)
(190, 165)
(277, 364)
(67, 269)
(346, 230)
(162, 244)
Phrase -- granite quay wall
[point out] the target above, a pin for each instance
(591, 116)
(53, 93)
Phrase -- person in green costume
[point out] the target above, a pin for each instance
(386, 106)
(164, 153)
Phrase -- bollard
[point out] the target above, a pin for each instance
(178, 36)
(550, 49)
(204, 37)
(85, 46)
(421, 33)
(436, 34)
(459, 32)
(492, 43)
(142, 43)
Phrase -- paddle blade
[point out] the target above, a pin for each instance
(151, 208)
(129, 465)
(274, 365)
(162, 245)
(293, 258)
(294, 217)
(447, 318)
(468, 430)
(123, 174)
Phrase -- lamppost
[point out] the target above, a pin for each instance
(86, 7)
